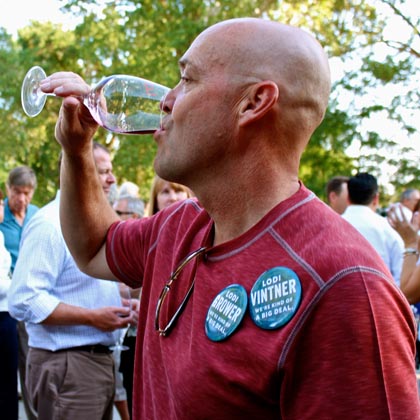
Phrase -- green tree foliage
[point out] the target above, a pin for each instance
(8, 123)
(147, 38)
(386, 60)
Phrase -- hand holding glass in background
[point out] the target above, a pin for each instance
(132, 304)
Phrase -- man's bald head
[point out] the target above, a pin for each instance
(253, 50)
(251, 93)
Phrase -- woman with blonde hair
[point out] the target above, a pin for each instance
(164, 193)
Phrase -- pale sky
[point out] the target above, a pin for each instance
(18, 13)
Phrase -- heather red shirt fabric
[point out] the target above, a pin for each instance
(347, 353)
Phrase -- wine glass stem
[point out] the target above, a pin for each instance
(40, 93)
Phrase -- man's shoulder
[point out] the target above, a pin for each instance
(383, 224)
(327, 241)
(32, 208)
(189, 205)
(8, 217)
(186, 217)
(356, 211)
(47, 215)
(181, 214)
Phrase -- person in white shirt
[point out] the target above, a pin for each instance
(361, 213)
(72, 319)
(8, 338)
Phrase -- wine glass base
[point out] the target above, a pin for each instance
(32, 98)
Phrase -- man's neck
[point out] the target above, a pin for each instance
(234, 212)
(370, 206)
(20, 217)
(373, 206)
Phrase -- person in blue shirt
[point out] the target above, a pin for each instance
(20, 187)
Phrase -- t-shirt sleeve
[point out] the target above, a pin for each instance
(126, 250)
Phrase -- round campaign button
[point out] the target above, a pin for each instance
(226, 312)
(275, 298)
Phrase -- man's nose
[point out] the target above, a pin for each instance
(167, 102)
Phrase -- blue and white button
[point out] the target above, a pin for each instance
(275, 298)
(226, 312)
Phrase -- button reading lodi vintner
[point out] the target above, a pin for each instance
(275, 298)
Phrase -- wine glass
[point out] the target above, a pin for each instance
(119, 103)
(119, 346)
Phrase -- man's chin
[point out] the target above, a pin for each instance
(19, 209)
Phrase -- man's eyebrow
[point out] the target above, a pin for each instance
(183, 62)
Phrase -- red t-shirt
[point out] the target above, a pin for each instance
(346, 352)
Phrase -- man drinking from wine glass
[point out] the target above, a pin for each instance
(71, 318)
(253, 305)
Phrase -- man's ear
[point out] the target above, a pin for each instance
(258, 100)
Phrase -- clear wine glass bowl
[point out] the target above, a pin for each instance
(119, 103)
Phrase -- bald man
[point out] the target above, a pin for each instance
(253, 305)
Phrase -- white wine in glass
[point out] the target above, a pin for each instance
(119, 103)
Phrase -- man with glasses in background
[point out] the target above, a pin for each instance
(128, 207)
